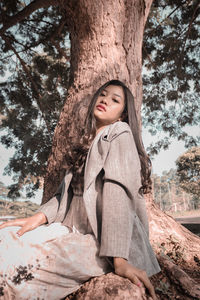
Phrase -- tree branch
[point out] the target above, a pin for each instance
(60, 50)
(149, 58)
(21, 51)
(187, 34)
(56, 34)
(14, 40)
(160, 23)
(27, 71)
(173, 11)
(29, 9)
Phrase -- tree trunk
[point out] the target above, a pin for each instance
(106, 43)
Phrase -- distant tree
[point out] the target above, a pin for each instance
(168, 192)
(161, 191)
(3, 191)
(188, 171)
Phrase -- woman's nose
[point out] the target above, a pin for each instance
(104, 100)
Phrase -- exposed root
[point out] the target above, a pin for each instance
(181, 279)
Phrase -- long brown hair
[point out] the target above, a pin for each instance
(77, 156)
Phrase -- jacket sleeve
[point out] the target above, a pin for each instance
(120, 192)
(50, 208)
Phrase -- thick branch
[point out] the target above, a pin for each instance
(27, 11)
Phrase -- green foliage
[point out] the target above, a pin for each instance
(171, 71)
(33, 91)
(168, 192)
(30, 119)
(11, 193)
(188, 171)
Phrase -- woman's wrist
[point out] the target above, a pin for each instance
(135, 275)
(123, 268)
(120, 265)
(42, 218)
(118, 261)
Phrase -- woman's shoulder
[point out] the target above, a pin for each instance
(117, 129)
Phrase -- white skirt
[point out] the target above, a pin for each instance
(49, 262)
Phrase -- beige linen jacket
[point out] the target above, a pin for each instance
(115, 209)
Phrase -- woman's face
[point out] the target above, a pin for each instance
(109, 106)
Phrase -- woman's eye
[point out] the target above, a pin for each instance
(115, 100)
(102, 94)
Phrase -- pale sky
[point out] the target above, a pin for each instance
(165, 160)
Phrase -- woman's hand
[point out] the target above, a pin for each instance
(26, 224)
(124, 269)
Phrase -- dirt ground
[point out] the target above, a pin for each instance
(178, 214)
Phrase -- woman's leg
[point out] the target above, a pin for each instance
(49, 262)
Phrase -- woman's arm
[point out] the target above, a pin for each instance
(121, 183)
(26, 224)
(119, 200)
(50, 208)
(135, 275)
(117, 225)
(45, 214)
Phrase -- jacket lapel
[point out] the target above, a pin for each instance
(96, 157)
(94, 163)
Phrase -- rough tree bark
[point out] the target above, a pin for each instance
(106, 43)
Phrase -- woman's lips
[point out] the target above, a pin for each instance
(101, 107)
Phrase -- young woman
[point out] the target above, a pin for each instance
(96, 222)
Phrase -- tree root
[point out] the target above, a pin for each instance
(109, 287)
(180, 278)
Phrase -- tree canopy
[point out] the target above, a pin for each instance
(171, 71)
(35, 62)
(188, 171)
(34, 92)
